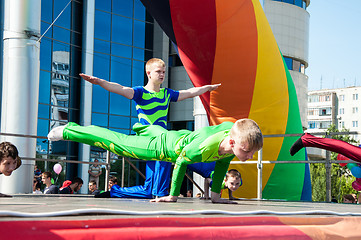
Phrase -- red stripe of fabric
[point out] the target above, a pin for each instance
(235, 61)
(152, 228)
(195, 29)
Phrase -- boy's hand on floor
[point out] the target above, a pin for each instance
(216, 198)
(165, 199)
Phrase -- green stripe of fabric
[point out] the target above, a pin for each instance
(151, 105)
(148, 96)
(286, 180)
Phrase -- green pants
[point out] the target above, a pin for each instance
(155, 143)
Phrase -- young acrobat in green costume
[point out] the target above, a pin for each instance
(220, 143)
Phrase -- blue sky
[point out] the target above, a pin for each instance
(334, 44)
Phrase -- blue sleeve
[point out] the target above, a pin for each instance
(173, 94)
(138, 90)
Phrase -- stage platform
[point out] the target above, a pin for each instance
(85, 217)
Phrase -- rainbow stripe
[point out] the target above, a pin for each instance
(231, 42)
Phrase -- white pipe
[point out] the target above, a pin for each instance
(86, 87)
(21, 87)
(200, 120)
(259, 174)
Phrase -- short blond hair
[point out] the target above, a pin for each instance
(154, 61)
(247, 131)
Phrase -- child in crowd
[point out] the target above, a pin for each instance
(220, 143)
(232, 181)
(50, 187)
(9, 160)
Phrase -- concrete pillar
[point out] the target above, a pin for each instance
(86, 87)
(20, 91)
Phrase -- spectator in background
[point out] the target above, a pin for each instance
(69, 187)
(95, 171)
(36, 187)
(37, 173)
(50, 187)
(189, 193)
(349, 198)
(93, 188)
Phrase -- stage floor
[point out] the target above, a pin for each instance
(87, 207)
(76, 217)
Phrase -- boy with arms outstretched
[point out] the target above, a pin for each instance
(152, 108)
(220, 143)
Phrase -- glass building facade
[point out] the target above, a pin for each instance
(123, 40)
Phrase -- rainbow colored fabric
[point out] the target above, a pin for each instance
(231, 42)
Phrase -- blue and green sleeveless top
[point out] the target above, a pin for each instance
(152, 107)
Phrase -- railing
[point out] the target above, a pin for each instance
(327, 161)
(259, 162)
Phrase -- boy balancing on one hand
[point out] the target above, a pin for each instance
(9, 160)
(220, 143)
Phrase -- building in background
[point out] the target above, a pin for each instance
(335, 106)
(289, 22)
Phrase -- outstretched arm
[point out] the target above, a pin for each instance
(196, 91)
(127, 92)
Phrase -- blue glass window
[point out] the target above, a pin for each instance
(138, 73)
(298, 3)
(139, 10)
(100, 99)
(43, 130)
(47, 10)
(123, 7)
(101, 66)
(288, 63)
(61, 34)
(139, 34)
(100, 120)
(121, 50)
(65, 17)
(44, 87)
(134, 120)
(101, 46)
(103, 5)
(102, 25)
(121, 71)
(119, 122)
(62, 47)
(138, 54)
(44, 27)
(121, 30)
(119, 105)
(45, 54)
(43, 111)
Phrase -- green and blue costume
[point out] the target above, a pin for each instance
(155, 143)
(152, 109)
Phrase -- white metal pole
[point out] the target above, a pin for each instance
(86, 87)
(200, 120)
(21, 87)
(259, 172)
